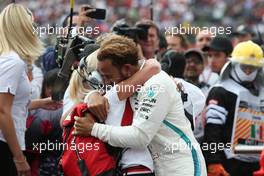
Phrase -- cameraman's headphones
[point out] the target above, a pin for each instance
(83, 64)
(167, 65)
(166, 57)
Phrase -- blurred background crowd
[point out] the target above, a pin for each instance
(185, 12)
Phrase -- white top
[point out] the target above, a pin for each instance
(209, 77)
(131, 157)
(159, 104)
(68, 103)
(195, 100)
(194, 105)
(14, 80)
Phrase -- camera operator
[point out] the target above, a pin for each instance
(150, 44)
(79, 19)
(145, 34)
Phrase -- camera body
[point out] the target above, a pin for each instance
(68, 52)
(136, 33)
(98, 14)
(77, 43)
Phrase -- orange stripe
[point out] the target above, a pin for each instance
(243, 127)
(242, 135)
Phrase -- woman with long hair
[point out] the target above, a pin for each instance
(19, 46)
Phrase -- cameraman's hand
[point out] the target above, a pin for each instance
(83, 18)
(98, 105)
(83, 126)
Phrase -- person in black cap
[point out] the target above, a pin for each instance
(150, 44)
(243, 33)
(194, 67)
(219, 50)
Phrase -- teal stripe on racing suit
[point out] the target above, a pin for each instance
(197, 169)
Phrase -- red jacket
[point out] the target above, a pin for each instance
(92, 150)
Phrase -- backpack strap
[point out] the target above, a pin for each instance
(81, 162)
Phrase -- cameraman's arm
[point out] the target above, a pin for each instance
(150, 68)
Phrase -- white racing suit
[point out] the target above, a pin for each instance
(159, 123)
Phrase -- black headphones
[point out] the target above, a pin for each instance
(90, 79)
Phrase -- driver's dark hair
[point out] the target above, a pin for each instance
(119, 49)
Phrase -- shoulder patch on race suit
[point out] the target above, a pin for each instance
(152, 90)
(213, 101)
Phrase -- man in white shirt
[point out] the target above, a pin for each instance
(159, 121)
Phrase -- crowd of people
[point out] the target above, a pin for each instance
(186, 12)
(136, 100)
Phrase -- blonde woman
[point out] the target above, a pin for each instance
(19, 46)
